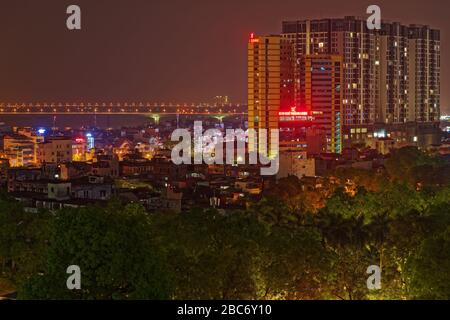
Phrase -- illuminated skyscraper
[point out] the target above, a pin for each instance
(424, 79)
(349, 38)
(391, 77)
(270, 81)
(321, 94)
(389, 82)
(392, 70)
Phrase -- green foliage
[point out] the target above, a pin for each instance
(295, 243)
(113, 248)
(22, 239)
(413, 166)
(274, 211)
(370, 180)
(235, 256)
(295, 264)
(209, 256)
(429, 269)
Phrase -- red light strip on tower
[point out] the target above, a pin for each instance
(292, 113)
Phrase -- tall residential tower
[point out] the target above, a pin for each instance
(391, 77)
(389, 82)
(270, 81)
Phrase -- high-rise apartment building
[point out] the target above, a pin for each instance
(391, 77)
(320, 83)
(388, 80)
(392, 72)
(424, 78)
(270, 81)
(349, 38)
(303, 99)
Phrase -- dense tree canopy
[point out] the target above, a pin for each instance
(112, 247)
(286, 246)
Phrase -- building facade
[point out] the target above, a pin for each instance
(391, 77)
(321, 79)
(270, 84)
(350, 39)
(55, 150)
(424, 79)
(20, 150)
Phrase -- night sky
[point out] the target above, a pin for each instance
(164, 50)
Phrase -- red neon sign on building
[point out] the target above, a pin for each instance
(295, 115)
(253, 39)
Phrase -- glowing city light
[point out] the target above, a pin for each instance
(90, 141)
(253, 39)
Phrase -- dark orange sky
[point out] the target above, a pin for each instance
(162, 50)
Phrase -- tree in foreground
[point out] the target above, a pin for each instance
(429, 269)
(112, 246)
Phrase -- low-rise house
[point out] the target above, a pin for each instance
(74, 170)
(36, 192)
(92, 188)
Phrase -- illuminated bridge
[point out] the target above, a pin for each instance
(133, 108)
